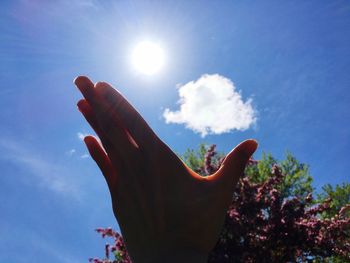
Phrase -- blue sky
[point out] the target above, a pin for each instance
(290, 61)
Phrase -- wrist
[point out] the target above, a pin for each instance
(182, 255)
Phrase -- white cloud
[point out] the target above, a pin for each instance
(70, 152)
(81, 135)
(84, 156)
(212, 105)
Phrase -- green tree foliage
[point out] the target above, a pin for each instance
(338, 196)
(297, 180)
(195, 158)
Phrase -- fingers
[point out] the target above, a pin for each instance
(235, 162)
(131, 119)
(90, 117)
(100, 157)
(86, 87)
(105, 119)
(87, 112)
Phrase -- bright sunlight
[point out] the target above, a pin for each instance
(148, 57)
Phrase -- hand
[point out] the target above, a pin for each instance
(166, 212)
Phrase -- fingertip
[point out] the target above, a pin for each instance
(241, 153)
(100, 157)
(106, 90)
(91, 143)
(82, 105)
(249, 146)
(85, 85)
(75, 80)
(81, 80)
(103, 89)
(101, 84)
(89, 140)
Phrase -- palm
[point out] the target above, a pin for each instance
(158, 201)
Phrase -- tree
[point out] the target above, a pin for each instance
(117, 249)
(273, 216)
(296, 181)
(339, 197)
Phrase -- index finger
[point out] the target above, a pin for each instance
(136, 126)
(109, 123)
(129, 116)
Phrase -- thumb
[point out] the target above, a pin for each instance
(235, 162)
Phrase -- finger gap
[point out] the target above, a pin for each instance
(111, 111)
(131, 139)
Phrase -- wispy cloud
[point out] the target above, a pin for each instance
(48, 173)
(48, 248)
(34, 244)
(212, 105)
(71, 152)
(81, 135)
(84, 156)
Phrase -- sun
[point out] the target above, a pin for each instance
(148, 57)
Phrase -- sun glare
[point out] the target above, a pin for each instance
(148, 57)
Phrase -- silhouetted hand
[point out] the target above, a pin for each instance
(166, 212)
